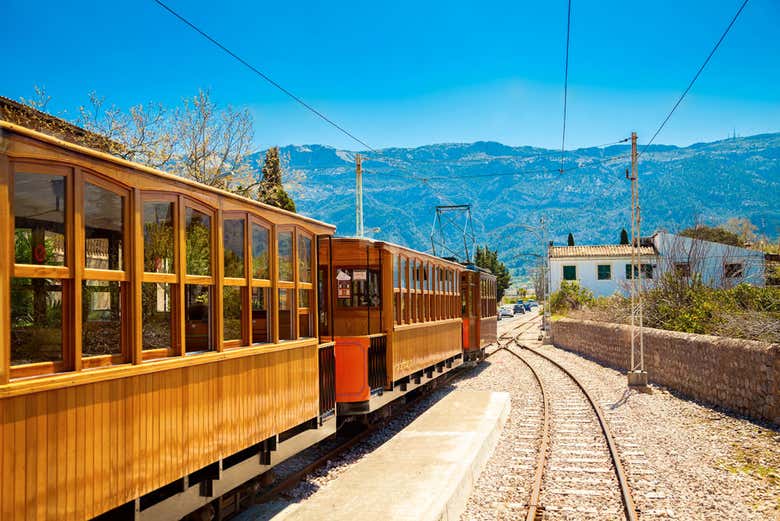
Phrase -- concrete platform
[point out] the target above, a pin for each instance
(424, 473)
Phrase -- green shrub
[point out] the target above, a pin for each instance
(570, 297)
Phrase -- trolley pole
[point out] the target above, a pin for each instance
(358, 196)
(637, 376)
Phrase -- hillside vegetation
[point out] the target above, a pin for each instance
(679, 185)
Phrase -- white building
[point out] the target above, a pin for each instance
(606, 269)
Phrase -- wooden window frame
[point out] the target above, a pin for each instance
(105, 275)
(212, 280)
(244, 283)
(305, 286)
(173, 279)
(269, 283)
(65, 274)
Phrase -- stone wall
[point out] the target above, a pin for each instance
(740, 375)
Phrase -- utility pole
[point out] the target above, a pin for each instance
(637, 376)
(358, 196)
(547, 317)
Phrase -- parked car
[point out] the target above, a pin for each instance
(506, 312)
(518, 308)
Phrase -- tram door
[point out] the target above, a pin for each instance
(469, 300)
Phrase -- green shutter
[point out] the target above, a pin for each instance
(570, 273)
(604, 271)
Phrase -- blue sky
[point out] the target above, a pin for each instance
(406, 73)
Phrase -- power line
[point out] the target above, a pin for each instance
(565, 83)
(696, 76)
(266, 77)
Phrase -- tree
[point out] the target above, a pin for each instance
(712, 234)
(742, 228)
(487, 258)
(198, 140)
(623, 236)
(271, 190)
(571, 239)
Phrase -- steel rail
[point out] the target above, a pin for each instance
(541, 458)
(628, 501)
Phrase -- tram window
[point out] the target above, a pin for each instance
(103, 228)
(156, 315)
(396, 270)
(286, 256)
(39, 219)
(260, 252)
(404, 270)
(36, 320)
(304, 258)
(101, 330)
(231, 312)
(198, 235)
(261, 323)
(363, 289)
(158, 237)
(286, 306)
(233, 240)
(305, 326)
(198, 324)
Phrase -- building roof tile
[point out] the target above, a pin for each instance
(605, 250)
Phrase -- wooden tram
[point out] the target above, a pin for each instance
(395, 318)
(480, 320)
(158, 341)
(163, 342)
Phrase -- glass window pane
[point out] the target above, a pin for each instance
(286, 256)
(304, 298)
(39, 219)
(260, 268)
(157, 315)
(286, 309)
(604, 271)
(304, 258)
(158, 238)
(261, 323)
(396, 270)
(103, 228)
(36, 320)
(404, 269)
(198, 234)
(233, 230)
(198, 325)
(101, 331)
(570, 273)
(305, 325)
(231, 311)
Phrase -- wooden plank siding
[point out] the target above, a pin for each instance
(76, 452)
(417, 346)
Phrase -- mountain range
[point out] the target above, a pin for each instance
(510, 188)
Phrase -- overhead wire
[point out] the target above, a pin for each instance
(695, 77)
(266, 77)
(565, 84)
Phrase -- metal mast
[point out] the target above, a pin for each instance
(358, 196)
(448, 234)
(637, 376)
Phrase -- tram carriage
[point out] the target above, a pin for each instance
(480, 320)
(395, 318)
(163, 342)
(158, 340)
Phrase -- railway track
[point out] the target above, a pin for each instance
(578, 473)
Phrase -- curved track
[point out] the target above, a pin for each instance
(578, 470)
